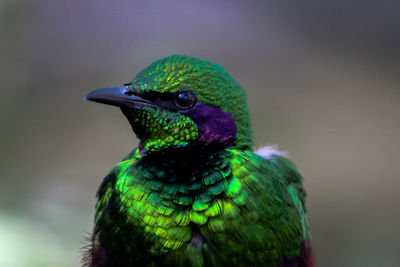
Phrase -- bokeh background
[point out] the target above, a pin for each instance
(322, 79)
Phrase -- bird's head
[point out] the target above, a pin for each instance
(181, 101)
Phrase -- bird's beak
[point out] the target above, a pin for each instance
(116, 96)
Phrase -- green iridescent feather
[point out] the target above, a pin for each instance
(227, 207)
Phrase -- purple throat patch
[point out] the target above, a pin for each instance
(216, 127)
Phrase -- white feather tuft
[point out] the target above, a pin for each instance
(268, 152)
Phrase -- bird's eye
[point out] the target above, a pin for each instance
(185, 99)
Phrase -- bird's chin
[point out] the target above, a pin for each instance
(160, 146)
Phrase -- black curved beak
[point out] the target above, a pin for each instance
(117, 96)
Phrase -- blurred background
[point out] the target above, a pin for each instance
(322, 79)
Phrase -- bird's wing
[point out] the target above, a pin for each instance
(297, 195)
(107, 186)
(268, 198)
(93, 254)
(293, 178)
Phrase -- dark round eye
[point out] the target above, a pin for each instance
(185, 99)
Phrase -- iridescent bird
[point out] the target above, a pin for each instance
(194, 193)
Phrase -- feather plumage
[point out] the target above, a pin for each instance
(193, 193)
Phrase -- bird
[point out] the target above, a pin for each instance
(194, 192)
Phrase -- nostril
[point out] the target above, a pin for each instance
(126, 90)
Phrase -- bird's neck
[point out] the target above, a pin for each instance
(184, 162)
